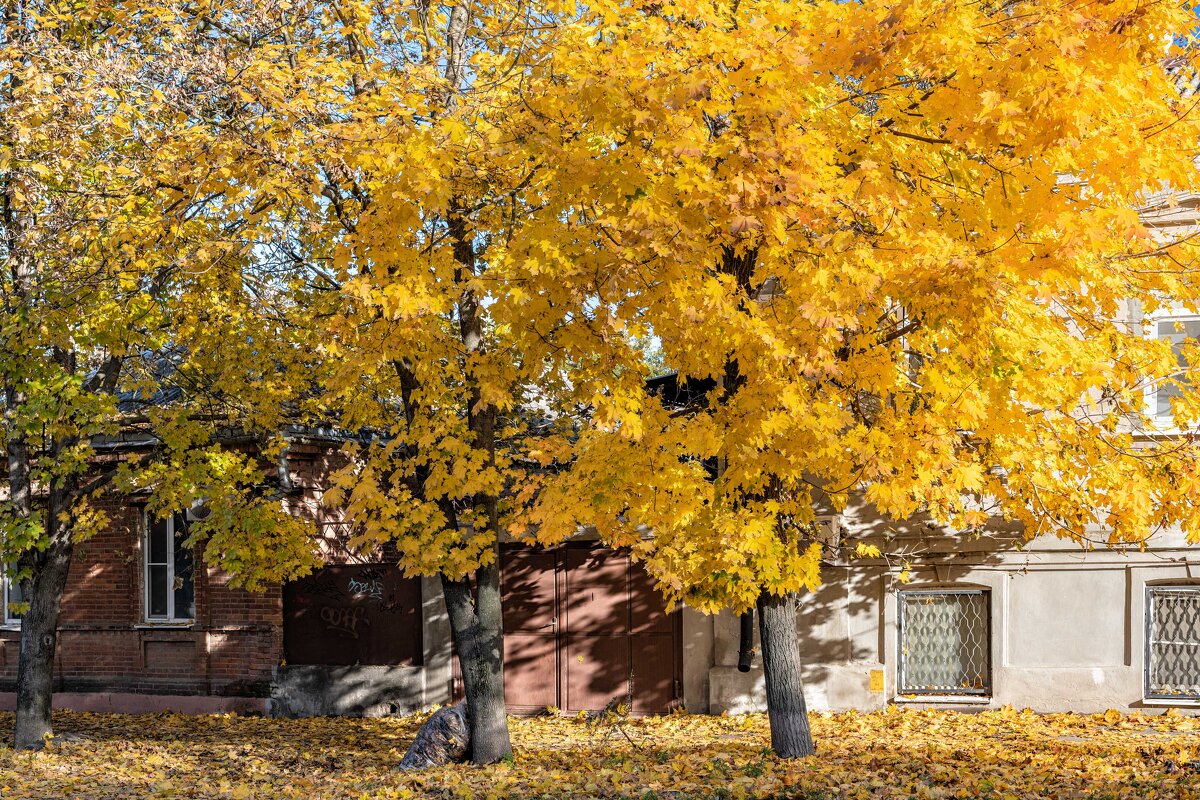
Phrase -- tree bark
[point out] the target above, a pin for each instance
(791, 736)
(476, 622)
(475, 616)
(786, 709)
(39, 625)
(46, 567)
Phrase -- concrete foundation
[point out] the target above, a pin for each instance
(315, 691)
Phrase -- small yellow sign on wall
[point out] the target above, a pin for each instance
(876, 680)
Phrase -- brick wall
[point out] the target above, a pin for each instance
(106, 645)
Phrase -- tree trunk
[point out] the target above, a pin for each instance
(788, 714)
(477, 626)
(780, 642)
(475, 621)
(39, 630)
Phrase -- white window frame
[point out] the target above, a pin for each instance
(9, 620)
(170, 618)
(1162, 424)
(1161, 698)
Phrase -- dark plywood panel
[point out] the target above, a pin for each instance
(349, 614)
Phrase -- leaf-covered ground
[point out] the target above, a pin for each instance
(893, 754)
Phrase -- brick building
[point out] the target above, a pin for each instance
(145, 619)
(982, 623)
(148, 625)
(108, 645)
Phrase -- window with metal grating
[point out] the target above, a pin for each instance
(945, 642)
(1173, 642)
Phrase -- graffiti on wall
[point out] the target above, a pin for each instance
(353, 614)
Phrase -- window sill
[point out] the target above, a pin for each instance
(952, 699)
(1190, 702)
(171, 625)
(1165, 427)
(10, 626)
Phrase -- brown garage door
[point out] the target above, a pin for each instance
(582, 624)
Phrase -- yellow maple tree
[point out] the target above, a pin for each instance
(391, 133)
(138, 348)
(894, 246)
(900, 243)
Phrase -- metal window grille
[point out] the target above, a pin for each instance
(1173, 642)
(945, 642)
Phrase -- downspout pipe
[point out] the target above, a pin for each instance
(746, 645)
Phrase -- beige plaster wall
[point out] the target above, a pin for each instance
(1068, 626)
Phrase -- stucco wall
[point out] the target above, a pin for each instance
(1068, 626)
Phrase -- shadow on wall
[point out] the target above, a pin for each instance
(843, 626)
(585, 627)
(306, 690)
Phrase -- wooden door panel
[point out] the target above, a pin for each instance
(595, 670)
(527, 590)
(654, 670)
(578, 621)
(530, 665)
(596, 592)
(647, 608)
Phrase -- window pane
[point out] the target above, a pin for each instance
(1162, 407)
(157, 580)
(160, 546)
(944, 647)
(1177, 332)
(1174, 668)
(15, 595)
(185, 590)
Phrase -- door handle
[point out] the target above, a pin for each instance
(552, 625)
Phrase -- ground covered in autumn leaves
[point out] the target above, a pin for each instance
(892, 754)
